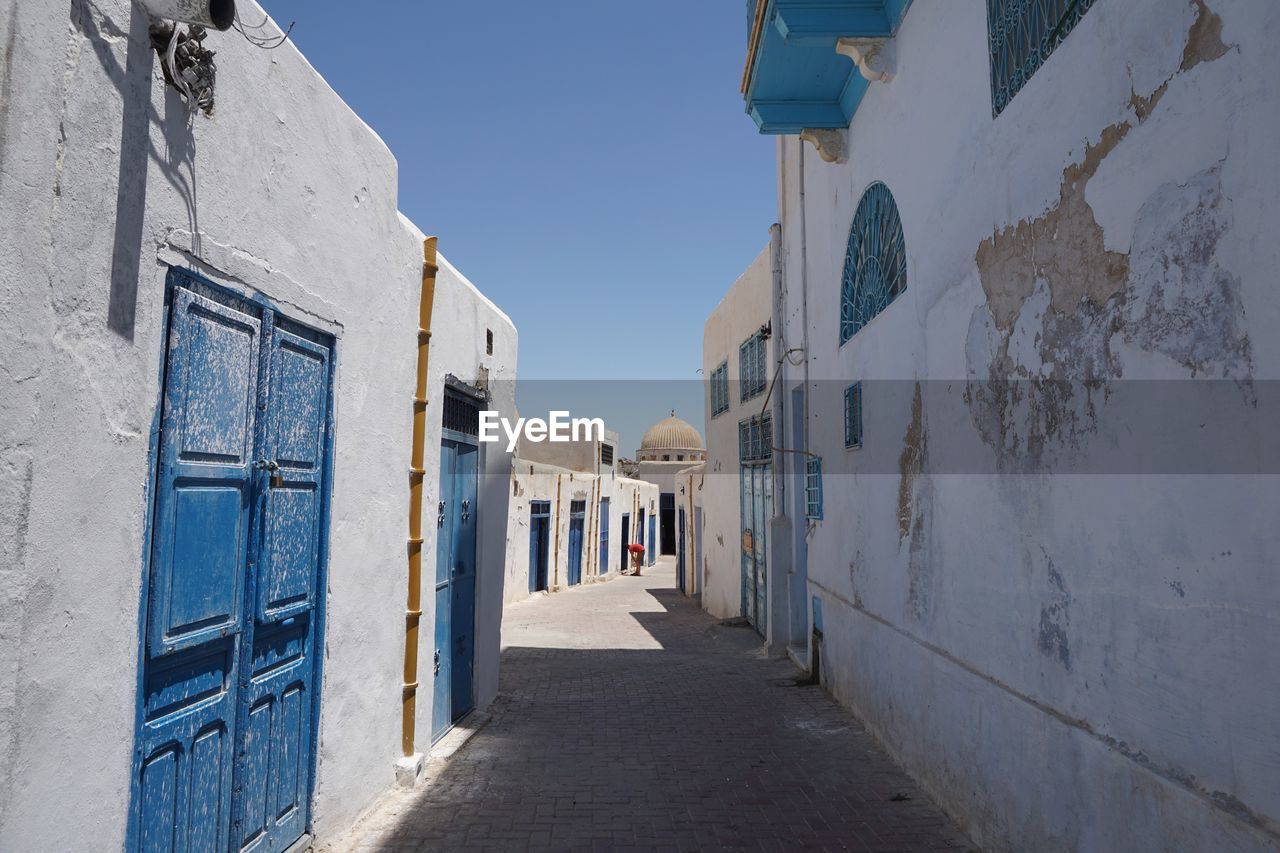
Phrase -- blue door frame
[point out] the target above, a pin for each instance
(453, 663)
(604, 536)
(577, 521)
(539, 542)
(232, 609)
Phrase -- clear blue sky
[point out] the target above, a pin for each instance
(587, 163)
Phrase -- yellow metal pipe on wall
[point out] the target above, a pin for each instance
(417, 473)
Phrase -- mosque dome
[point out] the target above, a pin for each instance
(670, 435)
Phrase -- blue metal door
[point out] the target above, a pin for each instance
(453, 663)
(757, 508)
(577, 519)
(539, 541)
(651, 547)
(604, 536)
(234, 596)
(680, 548)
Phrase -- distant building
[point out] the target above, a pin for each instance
(667, 448)
(571, 517)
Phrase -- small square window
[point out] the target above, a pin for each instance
(813, 488)
(853, 416)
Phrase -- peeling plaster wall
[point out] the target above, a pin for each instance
(1066, 662)
(740, 314)
(538, 481)
(104, 181)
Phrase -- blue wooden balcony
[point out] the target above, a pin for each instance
(794, 79)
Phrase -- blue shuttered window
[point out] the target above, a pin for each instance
(875, 264)
(1021, 34)
(753, 368)
(813, 488)
(720, 389)
(853, 415)
(755, 439)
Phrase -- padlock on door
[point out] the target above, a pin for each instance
(277, 479)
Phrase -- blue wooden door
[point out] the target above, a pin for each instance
(278, 689)
(233, 598)
(453, 662)
(577, 520)
(652, 545)
(640, 528)
(539, 541)
(680, 567)
(604, 536)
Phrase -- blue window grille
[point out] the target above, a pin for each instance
(720, 389)
(755, 438)
(875, 264)
(1021, 35)
(813, 488)
(753, 368)
(853, 415)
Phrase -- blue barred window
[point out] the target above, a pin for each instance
(875, 264)
(853, 415)
(753, 368)
(720, 389)
(1021, 35)
(755, 438)
(813, 488)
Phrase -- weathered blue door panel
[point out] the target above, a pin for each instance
(651, 546)
(604, 536)
(224, 744)
(455, 598)
(577, 518)
(446, 529)
(464, 581)
(205, 464)
(273, 781)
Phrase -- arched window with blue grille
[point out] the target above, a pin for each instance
(875, 265)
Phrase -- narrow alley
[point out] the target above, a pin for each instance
(628, 717)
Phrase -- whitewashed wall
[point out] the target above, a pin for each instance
(740, 314)
(104, 182)
(1066, 662)
(538, 481)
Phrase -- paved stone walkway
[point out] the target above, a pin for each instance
(629, 719)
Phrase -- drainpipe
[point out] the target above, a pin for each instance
(417, 473)
(559, 485)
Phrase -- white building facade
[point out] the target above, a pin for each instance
(996, 538)
(571, 518)
(211, 333)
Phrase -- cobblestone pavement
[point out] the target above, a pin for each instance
(629, 719)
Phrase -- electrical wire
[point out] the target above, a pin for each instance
(266, 43)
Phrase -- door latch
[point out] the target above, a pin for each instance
(440, 517)
(437, 662)
(273, 468)
(466, 510)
